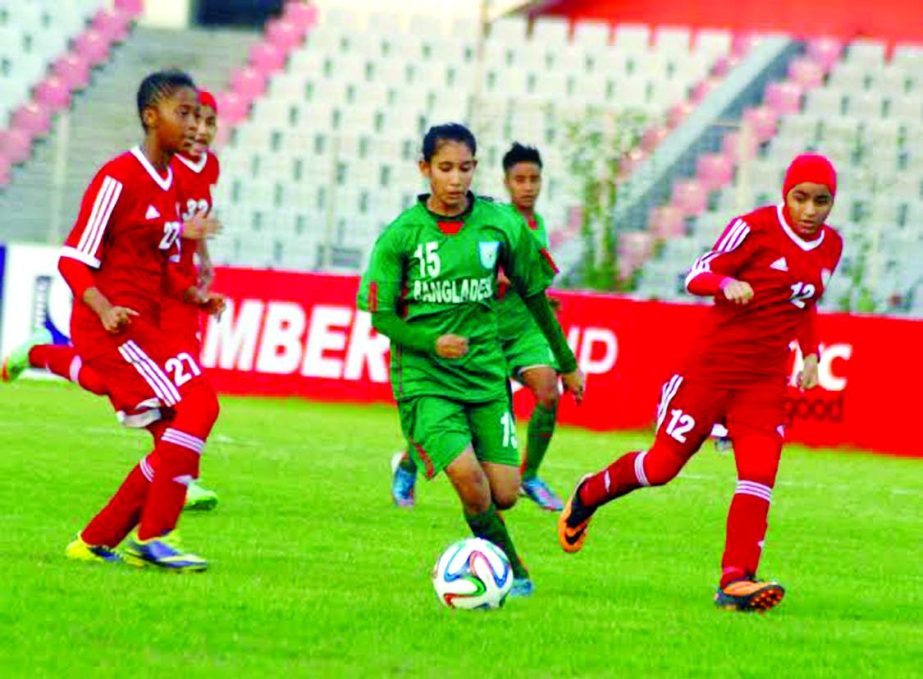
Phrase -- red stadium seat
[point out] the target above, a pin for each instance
(825, 51)
(32, 118)
(763, 122)
(53, 92)
(16, 145)
(112, 23)
(93, 46)
(73, 69)
(301, 14)
(248, 82)
(714, 170)
(784, 97)
(284, 34)
(731, 146)
(667, 222)
(267, 58)
(806, 72)
(690, 196)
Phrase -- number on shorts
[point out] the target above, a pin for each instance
(680, 424)
(509, 430)
(178, 365)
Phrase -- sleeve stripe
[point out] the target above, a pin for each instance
(80, 256)
(99, 217)
(731, 240)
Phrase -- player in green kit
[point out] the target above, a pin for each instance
(528, 356)
(431, 287)
(529, 359)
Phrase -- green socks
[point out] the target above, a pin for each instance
(489, 525)
(541, 427)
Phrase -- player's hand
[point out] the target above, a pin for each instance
(807, 378)
(199, 227)
(214, 304)
(451, 346)
(114, 318)
(575, 383)
(737, 292)
(555, 304)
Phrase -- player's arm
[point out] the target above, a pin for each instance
(206, 267)
(807, 341)
(379, 293)
(530, 270)
(84, 249)
(714, 273)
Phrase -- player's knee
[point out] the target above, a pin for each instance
(505, 498)
(546, 395)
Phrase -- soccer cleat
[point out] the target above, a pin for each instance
(199, 498)
(522, 587)
(18, 360)
(573, 522)
(402, 482)
(749, 595)
(164, 552)
(538, 491)
(78, 550)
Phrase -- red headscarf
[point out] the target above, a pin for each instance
(810, 167)
(206, 98)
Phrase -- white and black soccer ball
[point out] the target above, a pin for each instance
(473, 573)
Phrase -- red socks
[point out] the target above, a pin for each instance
(122, 512)
(618, 479)
(746, 529)
(177, 466)
(63, 361)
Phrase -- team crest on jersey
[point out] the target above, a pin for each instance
(488, 252)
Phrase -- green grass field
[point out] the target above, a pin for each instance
(315, 573)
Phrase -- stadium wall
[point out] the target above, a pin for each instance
(889, 20)
(299, 334)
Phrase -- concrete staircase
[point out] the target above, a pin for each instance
(42, 201)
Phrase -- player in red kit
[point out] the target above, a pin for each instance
(186, 289)
(767, 272)
(115, 261)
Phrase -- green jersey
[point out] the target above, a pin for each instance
(514, 318)
(441, 274)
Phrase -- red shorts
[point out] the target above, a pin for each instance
(689, 407)
(181, 323)
(143, 369)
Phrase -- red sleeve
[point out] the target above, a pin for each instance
(725, 260)
(86, 242)
(77, 275)
(807, 333)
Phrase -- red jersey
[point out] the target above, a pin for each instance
(746, 343)
(127, 227)
(195, 180)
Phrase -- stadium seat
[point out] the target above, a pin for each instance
(825, 51)
(784, 97)
(807, 72)
(714, 170)
(690, 197)
(53, 92)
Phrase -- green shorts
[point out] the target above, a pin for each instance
(439, 429)
(528, 350)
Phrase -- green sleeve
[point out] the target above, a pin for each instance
(399, 331)
(548, 324)
(380, 287)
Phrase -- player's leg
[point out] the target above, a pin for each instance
(685, 416)
(18, 359)
(493, 431)
(403, 479)
(542, 381)
(754, 421)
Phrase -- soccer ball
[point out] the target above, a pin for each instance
(473, 573)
